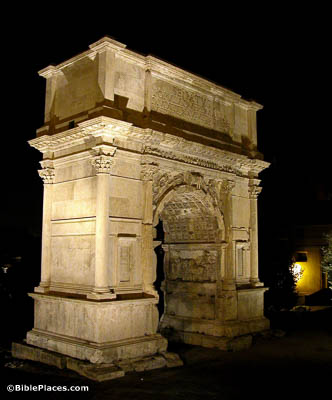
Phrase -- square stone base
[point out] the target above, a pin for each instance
(74, 317)
(96, 331)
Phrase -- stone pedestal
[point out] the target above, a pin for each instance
(100, 332)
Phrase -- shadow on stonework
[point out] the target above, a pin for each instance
(160, 269)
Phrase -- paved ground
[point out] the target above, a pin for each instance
(298, 365)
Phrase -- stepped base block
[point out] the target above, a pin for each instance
(230, 336)
(229, 329)
(97, 372)
(98, 353)
(221, 343)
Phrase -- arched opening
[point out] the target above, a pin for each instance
(189, 258)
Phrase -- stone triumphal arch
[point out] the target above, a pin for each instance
(130, 141)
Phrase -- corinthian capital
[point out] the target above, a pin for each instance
(102, 164)
(103, 158)
(47, 174)
(227, 186)
(254, 190)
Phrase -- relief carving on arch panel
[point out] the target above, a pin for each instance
(148, 170)
(193, 212)
(193, 266)
(164, 181)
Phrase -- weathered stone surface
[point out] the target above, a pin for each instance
(129, 141)
(99, 354)
(26, 352)
(95, 372)
(98, 371)
(146, 364)
(93, 321)
(172, 359)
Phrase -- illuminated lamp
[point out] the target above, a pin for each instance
(297, 272)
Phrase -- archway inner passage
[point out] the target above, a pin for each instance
(192, 257)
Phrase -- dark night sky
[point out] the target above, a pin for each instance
(278, 57)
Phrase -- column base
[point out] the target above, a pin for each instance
(101, 296)
(256, 283)
(42, 289)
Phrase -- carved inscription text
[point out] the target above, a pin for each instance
(181, 103)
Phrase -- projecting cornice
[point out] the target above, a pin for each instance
(107, 42)
(96, 127)
(49, 71)
(152, 143)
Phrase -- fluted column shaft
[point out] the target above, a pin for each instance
(101, 290)
(254, 191)
(47, 174)
(229, 277)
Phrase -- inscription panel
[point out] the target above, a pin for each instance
(126, 260)
(178, 102)
(190, 106)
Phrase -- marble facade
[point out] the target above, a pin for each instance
(128, 141)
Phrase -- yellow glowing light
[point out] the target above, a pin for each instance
(297, 272)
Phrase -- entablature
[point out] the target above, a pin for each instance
(124, 135)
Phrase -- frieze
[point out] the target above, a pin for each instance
(154, 143)
(189, 159)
